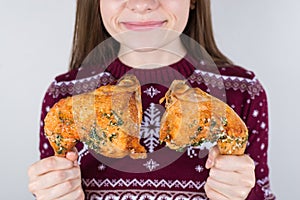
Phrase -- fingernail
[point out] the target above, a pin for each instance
(70, 153)
(75, 163)
(208, 163)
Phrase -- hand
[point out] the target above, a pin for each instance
(56, 178)
(230, 177)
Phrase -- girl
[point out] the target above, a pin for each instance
(81, 176)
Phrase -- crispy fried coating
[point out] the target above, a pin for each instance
(107, 120)
(193, 117)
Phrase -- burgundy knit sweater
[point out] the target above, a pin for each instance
(165, 174)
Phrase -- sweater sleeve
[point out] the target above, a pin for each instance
(256, 118)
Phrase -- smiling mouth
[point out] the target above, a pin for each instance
(142, 26)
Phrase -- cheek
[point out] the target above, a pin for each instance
(109, 10)
(105, 10)
(178, 11)
(182, 21)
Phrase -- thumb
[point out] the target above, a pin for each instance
(212, 155)
(72, 155)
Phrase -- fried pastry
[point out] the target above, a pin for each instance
(107, 119)
(193, 117)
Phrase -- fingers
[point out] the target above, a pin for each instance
(234, 163)
(72, 155)
(230, 176)
(228, 162)
(225, 190)
(233, 178)
(48, 164)
(213, 154)
(59, 191)
(51, 179)
(213, 194)
(77, 194)
(56, 178)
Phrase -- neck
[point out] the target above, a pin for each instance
(153, 58)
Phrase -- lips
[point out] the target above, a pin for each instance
(140, 26)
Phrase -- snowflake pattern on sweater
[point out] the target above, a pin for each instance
(150, 127)
(183, 177)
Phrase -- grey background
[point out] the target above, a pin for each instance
(35, 42)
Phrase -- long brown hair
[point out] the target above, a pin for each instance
(89, 31)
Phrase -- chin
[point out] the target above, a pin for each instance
(144, 41)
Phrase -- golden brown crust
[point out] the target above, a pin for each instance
(193, 117)
(107, 120)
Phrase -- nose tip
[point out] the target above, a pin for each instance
(140, 6)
